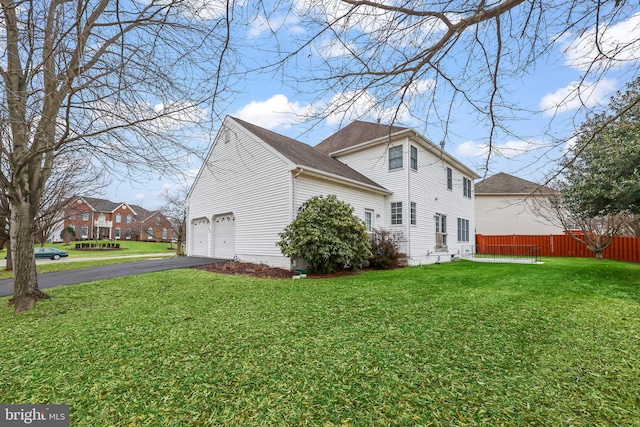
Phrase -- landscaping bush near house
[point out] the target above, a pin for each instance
(327, 235)
(385, 249)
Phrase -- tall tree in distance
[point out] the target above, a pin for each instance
(175, 210)
(602, 168)
(598, 195)
(118, 82)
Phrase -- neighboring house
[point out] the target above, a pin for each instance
(508, 205)
(93, 218)
(254, 180)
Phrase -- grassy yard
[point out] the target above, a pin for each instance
(454, 344)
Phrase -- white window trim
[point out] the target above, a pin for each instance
(401, 157)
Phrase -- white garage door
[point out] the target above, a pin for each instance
(224, 236)
(200, 237)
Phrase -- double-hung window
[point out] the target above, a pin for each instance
(395, 157)
(396, 213)
(463, 230)
(466, 187)
(414, 158)
(413, 213)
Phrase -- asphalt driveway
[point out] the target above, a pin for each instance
(82, 275)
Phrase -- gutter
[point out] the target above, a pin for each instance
(341, 179)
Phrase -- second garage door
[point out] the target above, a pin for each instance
(224, 236)
(200, 237)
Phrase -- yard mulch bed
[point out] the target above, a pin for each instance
(261, 270)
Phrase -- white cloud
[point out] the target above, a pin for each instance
(332, 48)
(175, 115)
(138, 197)
(275, 112)
(508, 150)
(262, 24)
(576, 95)
(610, 45)
(420, 87)
(349, 106)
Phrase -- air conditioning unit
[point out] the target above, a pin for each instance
(440, 243)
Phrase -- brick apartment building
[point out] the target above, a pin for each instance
(93, 218)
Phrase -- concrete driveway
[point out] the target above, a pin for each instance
(83, 275)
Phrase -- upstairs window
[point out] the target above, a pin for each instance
(84, 216)
(414, 158)
(466, 187)
(118, 218)
(449, 179)
(395, 157)
(128, 219)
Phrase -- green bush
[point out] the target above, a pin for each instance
(385, 249)
(326, 235)
(68, 234)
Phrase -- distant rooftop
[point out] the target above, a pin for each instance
(503, 183)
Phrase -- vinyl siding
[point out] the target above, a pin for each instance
(245, 177)
(427, 187)
(503, 215)
(306, 187)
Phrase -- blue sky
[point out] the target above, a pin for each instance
(539, 134)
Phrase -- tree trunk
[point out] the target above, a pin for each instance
(25, 289)
(8, 262)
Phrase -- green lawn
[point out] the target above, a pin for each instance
(453, 344)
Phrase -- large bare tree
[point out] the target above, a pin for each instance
(70, 176)
(116, 81)
(431, 60)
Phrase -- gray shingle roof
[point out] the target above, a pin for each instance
(503, 183)
(101, 205)
(356, 133)
(305, 155)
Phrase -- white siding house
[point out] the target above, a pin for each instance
(508, 205)
(253, 181)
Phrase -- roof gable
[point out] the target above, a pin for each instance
(305, 155)
(356, 133)
(503, 183)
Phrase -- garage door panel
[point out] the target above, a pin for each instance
(200, 231)
(224, 236)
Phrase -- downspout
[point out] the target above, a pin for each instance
(292, 263)
(293, 193)
(409, 198)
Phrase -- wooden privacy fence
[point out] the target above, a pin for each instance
(559, 245)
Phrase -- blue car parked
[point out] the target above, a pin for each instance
(51, 253)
